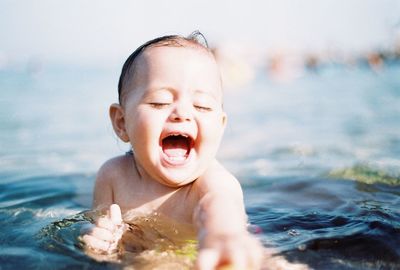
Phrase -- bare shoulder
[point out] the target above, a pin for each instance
(114, 168)
(218, 179)
(110, 174)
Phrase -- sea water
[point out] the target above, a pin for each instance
(318, 158)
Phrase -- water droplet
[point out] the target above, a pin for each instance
(302, 247)
(293, 232)
(254, 229)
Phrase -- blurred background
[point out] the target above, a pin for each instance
(311, 86)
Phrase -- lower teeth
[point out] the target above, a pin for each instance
(177, 158)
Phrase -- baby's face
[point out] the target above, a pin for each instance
(173, 113)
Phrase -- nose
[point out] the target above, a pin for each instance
(182, 112)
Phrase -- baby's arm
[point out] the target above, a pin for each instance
(103, 190)
(103, 237)
(221, 221)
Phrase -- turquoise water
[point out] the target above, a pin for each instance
(318, 158)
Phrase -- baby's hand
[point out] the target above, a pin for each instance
(239, 251)
(103, 237)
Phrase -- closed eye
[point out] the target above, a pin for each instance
(202, 108)
(157, 105)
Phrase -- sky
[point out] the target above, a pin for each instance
(104, 32)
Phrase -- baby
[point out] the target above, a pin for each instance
(170, 111)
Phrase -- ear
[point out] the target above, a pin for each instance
(117, 116)
(224, 119)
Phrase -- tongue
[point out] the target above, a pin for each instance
(175, 146)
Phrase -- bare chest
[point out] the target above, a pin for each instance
(177, 204)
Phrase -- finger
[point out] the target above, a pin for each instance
(105, 223)
(237, 259)
(255, 260)
(102, 234)
(115, 214)
(256, 254)
(95, 244)
(207, 259)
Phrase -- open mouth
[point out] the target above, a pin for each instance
(176, 147)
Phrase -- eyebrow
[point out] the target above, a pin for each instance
(151, 90)
(207, 93)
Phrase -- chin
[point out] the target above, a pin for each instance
(177, 179)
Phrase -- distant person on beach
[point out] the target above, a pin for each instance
(170, 111)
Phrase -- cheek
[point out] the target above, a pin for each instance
(147, 128)
(213, 129)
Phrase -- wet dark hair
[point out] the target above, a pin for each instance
(128, 69)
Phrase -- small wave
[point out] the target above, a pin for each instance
(367, 174)
(40, 213)
(365, 251)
